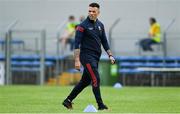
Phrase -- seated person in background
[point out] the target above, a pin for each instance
(154, 36)
(69, 33)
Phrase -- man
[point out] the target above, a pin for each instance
(69, 33)
(90, 34)
(154, 36)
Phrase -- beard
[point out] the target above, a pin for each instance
(92, 18)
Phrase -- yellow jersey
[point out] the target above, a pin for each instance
(155, 32)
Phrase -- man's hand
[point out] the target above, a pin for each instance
(112, 59)
(77, 65)
(77, 61)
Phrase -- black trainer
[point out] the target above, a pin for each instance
(67, 103)
(102, 107)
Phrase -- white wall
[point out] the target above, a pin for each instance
(134, 15)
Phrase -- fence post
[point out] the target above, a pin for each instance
(8, 74)
(42, 56)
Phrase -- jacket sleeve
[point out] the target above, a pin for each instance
(104, 39)
(78, 36)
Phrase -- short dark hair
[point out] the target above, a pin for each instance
(153, 19)
(71, 17)
(94, 5)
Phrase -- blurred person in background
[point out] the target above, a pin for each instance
(154, 36)
(69, 33)
(82, 18)
(90, 35)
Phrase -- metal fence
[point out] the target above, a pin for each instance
(37, 42)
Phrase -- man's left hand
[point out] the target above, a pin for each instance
(112, 59)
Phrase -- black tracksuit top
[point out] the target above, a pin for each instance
(89, 37)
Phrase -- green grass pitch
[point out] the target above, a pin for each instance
(48, 99)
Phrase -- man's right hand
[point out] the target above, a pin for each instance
(77, 61)
(77, 65)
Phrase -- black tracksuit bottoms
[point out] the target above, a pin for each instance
(90, 76)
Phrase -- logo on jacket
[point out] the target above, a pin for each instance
(90, 28)
(99, 28)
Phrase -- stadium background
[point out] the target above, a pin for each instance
(133, 14)
(37, 59)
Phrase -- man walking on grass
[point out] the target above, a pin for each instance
(90, 34)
